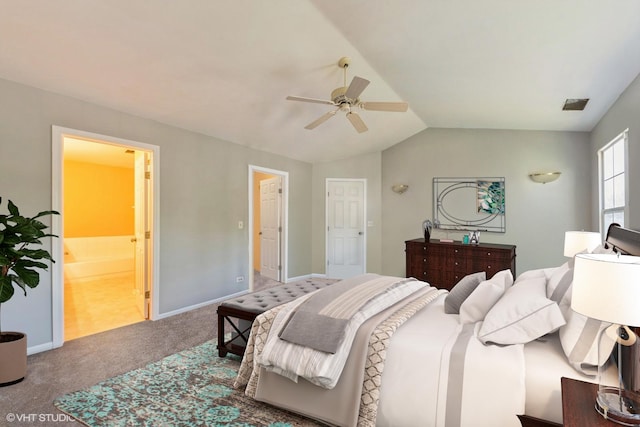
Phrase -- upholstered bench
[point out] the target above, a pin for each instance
(240, 312)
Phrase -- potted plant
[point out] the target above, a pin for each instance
(19, 266)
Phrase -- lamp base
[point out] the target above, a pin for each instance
(619, 406)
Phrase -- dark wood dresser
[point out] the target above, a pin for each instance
(443, 264)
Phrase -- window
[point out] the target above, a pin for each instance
(613, 195)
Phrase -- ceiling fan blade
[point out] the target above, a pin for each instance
(358, 84)
(385, 106)
(321, 120)
(357, 122)
(313, 100)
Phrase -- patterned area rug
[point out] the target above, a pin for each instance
(190, 388)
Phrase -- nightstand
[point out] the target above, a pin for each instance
(578, 405)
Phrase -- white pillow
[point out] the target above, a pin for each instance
(559, 283)
(461, 291)
(478, 304)
(579, 339)
(523, 314)
(540, 272)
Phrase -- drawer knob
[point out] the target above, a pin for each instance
(488, 253)
(488, 267)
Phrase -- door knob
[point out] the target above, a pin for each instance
(360, 233)
(133, 240)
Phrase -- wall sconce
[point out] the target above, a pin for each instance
(399, 188)
(544, 177)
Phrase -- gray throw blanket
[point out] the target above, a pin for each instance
(329, 310)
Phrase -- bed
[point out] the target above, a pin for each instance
(490, 352)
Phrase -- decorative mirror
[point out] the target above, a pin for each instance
(475, 204)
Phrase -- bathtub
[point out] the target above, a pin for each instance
(88, 258)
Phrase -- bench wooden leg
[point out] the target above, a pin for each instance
(241, 323)
(222, 350)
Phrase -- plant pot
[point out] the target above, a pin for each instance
(13, 353)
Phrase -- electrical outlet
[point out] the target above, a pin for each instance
(239, 279)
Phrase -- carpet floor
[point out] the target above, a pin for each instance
(190, 388)
(84, 362)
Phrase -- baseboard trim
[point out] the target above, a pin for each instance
(40, 348)
(199, 305)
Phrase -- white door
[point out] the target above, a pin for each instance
(345, 228)
(270, 227)
(142, 227)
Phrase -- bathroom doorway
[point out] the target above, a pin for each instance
(106, 205)
(268, 205)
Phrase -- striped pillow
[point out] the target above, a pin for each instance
(579, 339)
(579, 336)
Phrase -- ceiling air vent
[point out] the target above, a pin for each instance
(575, 104)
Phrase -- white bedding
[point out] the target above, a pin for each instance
(545, 364)
(321, 368)
(493, 390)
(425, 383)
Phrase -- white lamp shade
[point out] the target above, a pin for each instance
(577, 241)
(607, 287)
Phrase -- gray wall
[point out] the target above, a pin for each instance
(203, 195)
(537, 215)
(624, 114)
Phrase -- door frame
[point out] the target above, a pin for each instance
(284, 246)
(364, 219)
(58, 133)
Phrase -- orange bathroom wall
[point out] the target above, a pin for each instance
(98, 200)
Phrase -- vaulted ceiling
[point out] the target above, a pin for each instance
(225, 68)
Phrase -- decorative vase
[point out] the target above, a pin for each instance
(13, 354)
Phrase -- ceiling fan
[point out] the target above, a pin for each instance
(346, 99)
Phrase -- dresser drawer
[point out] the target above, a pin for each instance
(443, 264)
(415, 248)
(493, 260)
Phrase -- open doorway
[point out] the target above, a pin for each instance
(106, 198)
(267, 226)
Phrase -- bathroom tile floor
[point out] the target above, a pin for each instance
(99, 305)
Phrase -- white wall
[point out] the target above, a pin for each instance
(537, 215)
(624, 114)
(203, 195)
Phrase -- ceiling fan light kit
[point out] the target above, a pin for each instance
(346, 99)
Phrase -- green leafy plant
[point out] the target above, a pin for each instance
(19, 263)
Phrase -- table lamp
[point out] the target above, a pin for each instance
(577, 241)
(607, 287)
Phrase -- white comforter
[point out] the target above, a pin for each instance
(436, 374)
(439, 374)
